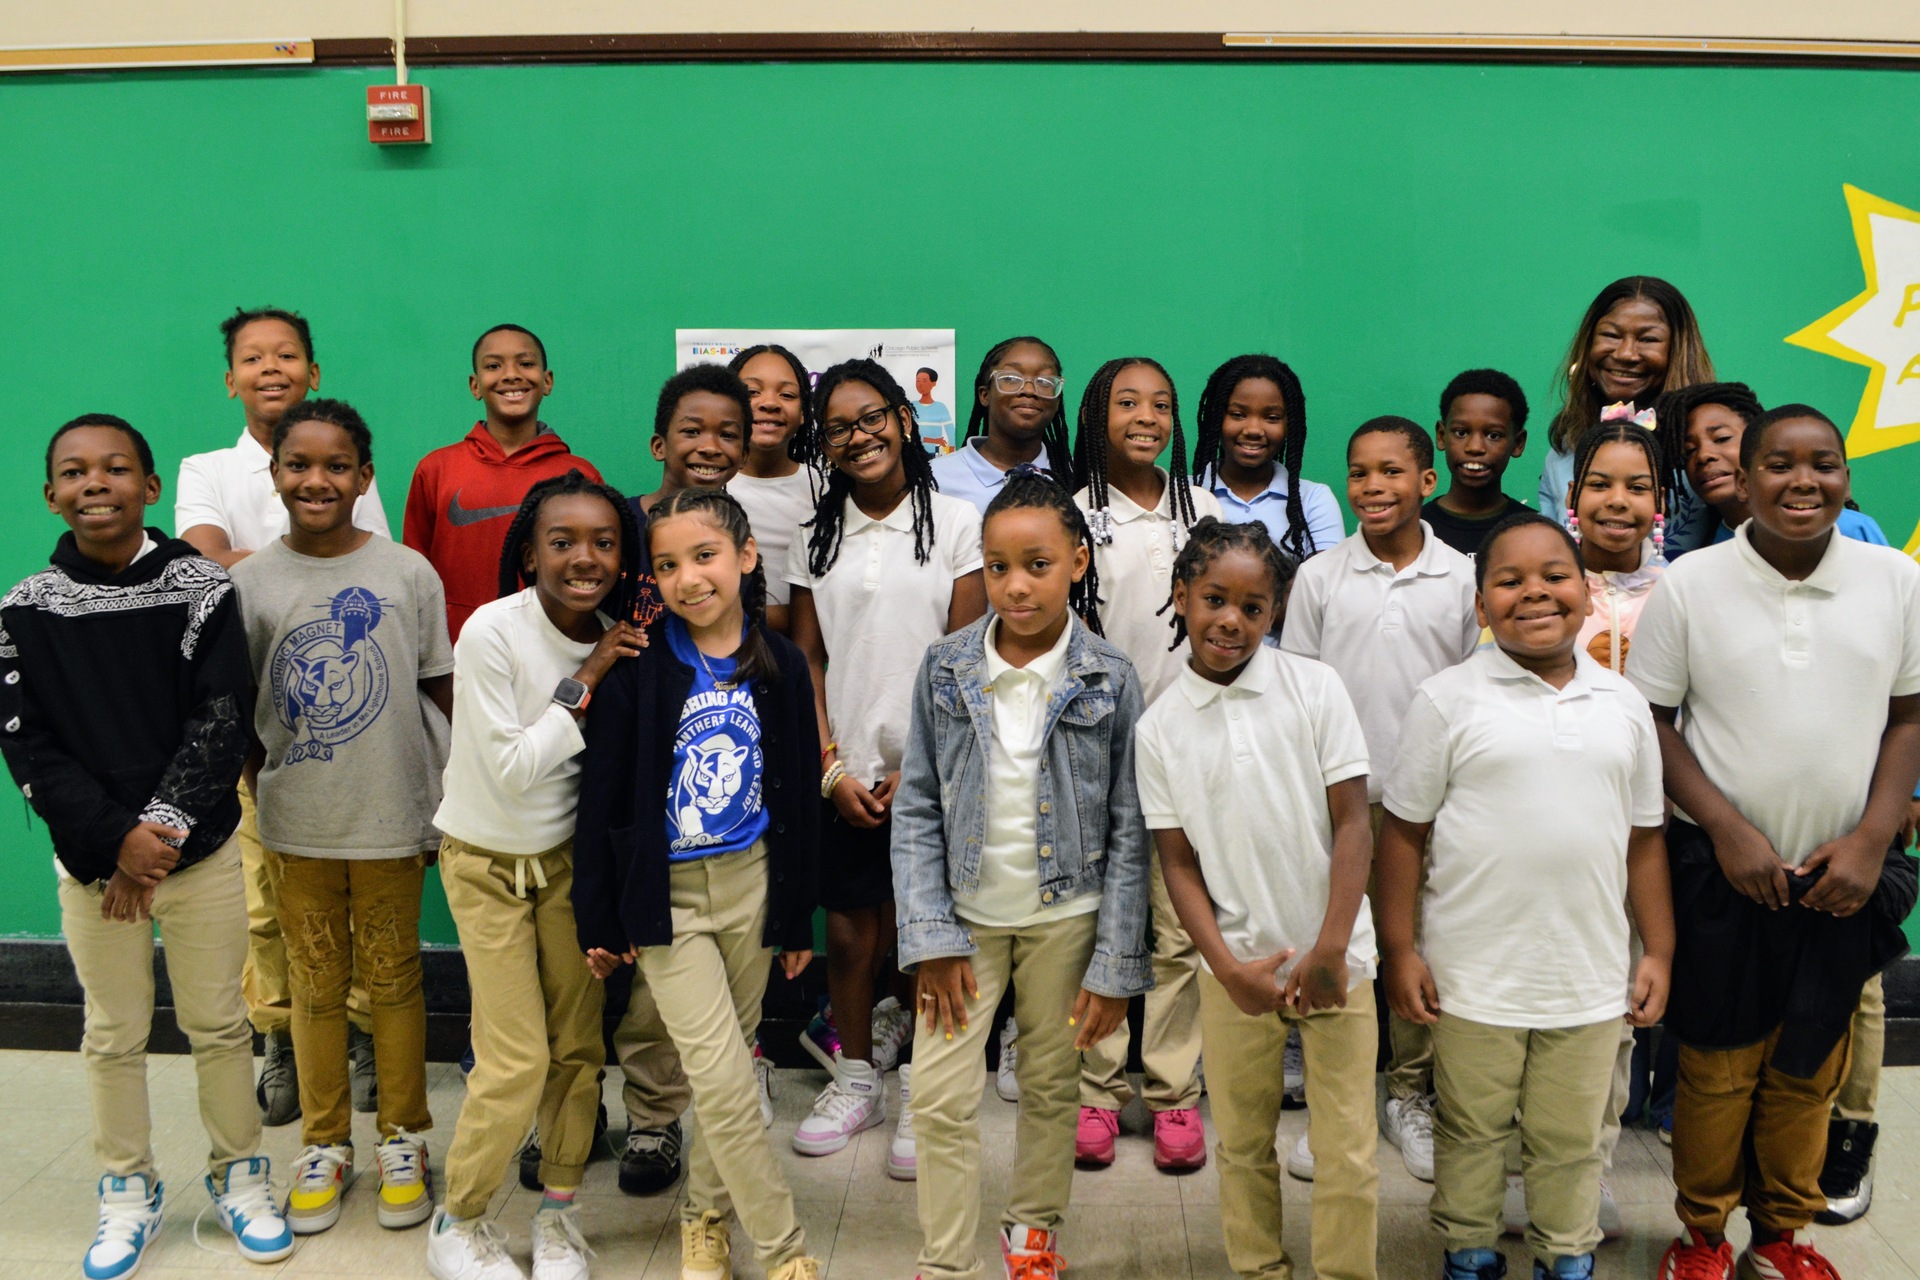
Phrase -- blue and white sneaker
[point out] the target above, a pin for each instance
(1575, 1267)
(243, 1201)
(1473, 1264)
(129, 1221)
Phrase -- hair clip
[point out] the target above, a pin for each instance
(1623, 411)
(1573, 526)
(1659, 536)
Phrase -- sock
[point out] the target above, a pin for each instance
(557, 1198)
(447, 1221)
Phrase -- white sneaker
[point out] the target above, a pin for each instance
(901, 1163)
(892, 1032)
(471, 1249)
(763, 1076)
(1409, 1127)
(559, 1250)
(1513, 1209)
(1293, 1072)
(1610, 1228)
(1005, 1082)
(406, 1183)
(1300, 1162)
(320, 1179)
(853, 1100)
(129, 1221)
(243, 1199)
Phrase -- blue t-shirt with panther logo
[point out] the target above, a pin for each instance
(714, 803)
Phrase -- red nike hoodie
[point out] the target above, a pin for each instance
(463, 499)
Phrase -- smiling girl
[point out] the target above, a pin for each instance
(1253, 438)
(776, 491)
(1618, 506)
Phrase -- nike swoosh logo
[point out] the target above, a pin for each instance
(459, 515)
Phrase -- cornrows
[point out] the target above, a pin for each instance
(755, 660)
(836, 486)
(1209, 539)
(1293, 449)
(1090, 447)
(1059, 447)
(633, 552)
(1031, 489)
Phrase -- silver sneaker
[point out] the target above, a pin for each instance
(278, 1092)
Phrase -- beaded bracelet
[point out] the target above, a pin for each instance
(833, 778)
(828, 750)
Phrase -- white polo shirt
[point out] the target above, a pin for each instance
(776, 509)
(1383, 631)
(1244, 769)
(1783, 686)
(1136, 579)
(967, 475)
(232, 490)
(1531, 791)
(879, 609)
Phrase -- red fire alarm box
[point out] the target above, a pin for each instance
(398, 113)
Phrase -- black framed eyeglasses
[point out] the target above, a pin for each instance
(872, 422)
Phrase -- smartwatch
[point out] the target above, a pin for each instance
(572, 695)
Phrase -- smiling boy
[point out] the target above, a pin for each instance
(1482, 428)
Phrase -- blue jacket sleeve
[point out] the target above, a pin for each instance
(928, 927)
(1122, 965)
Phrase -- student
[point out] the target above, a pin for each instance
(1789, 880)
(464, 494)
(1019, 720)
(1019, 418)
(1253, 437)
(123, 678)
(776, 491)
(226, 507)
(1386, 609)
(934, 417)
(1616, 503)
(1482, 428)
(524, 671)
(342, 628)
(1524, 971)
(1140, 516)
(1253, 781)
(697, 853)
(889, 567)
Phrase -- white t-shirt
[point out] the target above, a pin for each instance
(1383, 631)
(1136, 580)
(1531, 791)
(1244, 769)
(513, 775)
(879, 609)
(232, 490)
(776, 509)
(1782, 685)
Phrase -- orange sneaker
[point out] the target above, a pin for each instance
(1034, 1257)
(1692, 1258)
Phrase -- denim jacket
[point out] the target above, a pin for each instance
(1092, 837)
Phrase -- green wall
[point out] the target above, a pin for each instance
(1380, 227)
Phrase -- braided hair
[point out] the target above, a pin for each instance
(1675, 411)
(1621, 431)
(1030, 489)
(754, 660)
(1090, 449)
(836, 486)
(1055, 434)
(1207, 447)
(1209, 539)
(633, 553)
(738, 364)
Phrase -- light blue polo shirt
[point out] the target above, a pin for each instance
(1325, 528)
(966, 475)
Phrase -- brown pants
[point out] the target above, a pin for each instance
(1744, 1134)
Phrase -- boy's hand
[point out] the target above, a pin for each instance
(1410, 989)
(1252, 986)
(1911, 823)
(1649, 999)
(1853, 873)
(602, 963)
(1319, 981)
(1097, 1016)
(792, 963)
(1752, 866)
(857, 805)
(942, 989)
(126, 899)
(150, 851)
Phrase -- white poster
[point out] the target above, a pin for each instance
(921, 360)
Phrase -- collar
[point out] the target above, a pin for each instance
(1125, 510)
(251, 452)
(1651, 567)
(1254, 679)
(1276, 487)
(853, 520)
(1429, 563)
(1047, 666)
(985, 472)
(1825, 577)
(1502, 667)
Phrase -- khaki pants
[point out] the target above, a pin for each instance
(1559, 1082)
(1410, 1067)
(264, 980)
(654, 1091)
(537, 1049)
(1743, 1134)
(1170, 1033)
(708, 983)
(339, 914)
(1859, 1095)
(1046, 965)
(202, 914)
(1244, 1082)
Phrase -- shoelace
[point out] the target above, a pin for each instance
(488, 1241)
(704, 1239)
(1699, 1262)
(1044, 1265)
(317, 1166)
(120, 1223)
(260, 1198)
(645, 1143)
(1847, 1167)
(399, 1157)
(1804, 1262)
(1416, 1118)
(560, 1236)
(835, 1103)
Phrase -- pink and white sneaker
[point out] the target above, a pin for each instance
(1094, 1134)
(1179, 1139)
(853, 1100)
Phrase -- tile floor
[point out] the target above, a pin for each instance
(1129, 1222)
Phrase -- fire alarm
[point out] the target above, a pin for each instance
(398, 113)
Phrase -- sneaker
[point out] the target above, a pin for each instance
(1472, 1264)
(1610, 1228)
(705, 1252)
(559, 1250)
(821, 1039)
(892, 1032)
(362, 1079)
(1179, 1139)
(406, 1183)
(466, 1061)
(1846, 1180)
(1293, 1073)
(319, 1181)
(1094, 1134)
(1006, 1080)
(530, 1155)
(796, 1269)
(1579, 1267)
(763, 1076)
(279, 1089)
(651, 1161)
(244, 1202)
(471, 1249)
(1692, 1258)
(1035, 1257)
(129, 1221)
(1409, 1126)
(1513, 1208)
(901, 1163)
(852, 1101)
(1785, 1259)
(1665, 1128)
(1300, 1160)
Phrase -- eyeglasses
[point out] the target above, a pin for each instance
(1012, 384)
(872, 422)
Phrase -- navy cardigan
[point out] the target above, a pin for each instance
(620, 867)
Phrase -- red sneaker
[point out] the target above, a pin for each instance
(1179, 1140)
(1785, 1260)
(1692, 1258)
(1093, 1136)
(1034, 1257)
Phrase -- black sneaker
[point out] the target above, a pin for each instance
(1847, 1177)
(530, 1162)
(361, 1075)
(278, 1092)
(651, 1162)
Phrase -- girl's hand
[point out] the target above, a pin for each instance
(1752, 866)
(856, 804)
(1253, 987)
(1410, 988)
(884, 793)
(1097, 1016)
(1853, 873)
(602, 962)
(1319, 981)
(942, 988)
(621, 640)
(126, 899)
(792, 963)
(1649, 999)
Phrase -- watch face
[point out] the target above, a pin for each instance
(570, 693)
